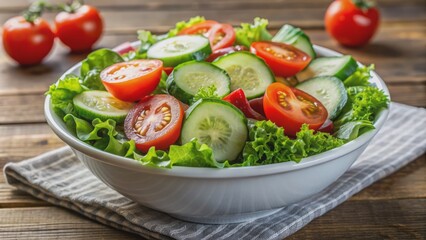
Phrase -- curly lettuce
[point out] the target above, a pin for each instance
(248, 33)
(360, 77)
(268, 144)
(185, 24)
(92, 66)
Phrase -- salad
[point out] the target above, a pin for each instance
(208, 94)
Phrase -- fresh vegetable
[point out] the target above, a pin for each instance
(218, 124)
(295, 37)
(284, 60)
(257, 105)
(327, 127)
(182, 25)
(223, 51)
(92, 66)
(220, 35)
(102, 105)
(360, 77)
(268, 144)
(351, 130)
(131, 81)
(176, 50)
(238, 99)
(155, 121)
(290, 108)
(27, 41)
(352, 22)
(206, 92)
(188, 78)
(330, 91)
(249, 33)
(63, 92)
(79, 26)
(340, 67)
(247, 72)
(124, 48)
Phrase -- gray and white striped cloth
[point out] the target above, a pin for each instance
(59, 178)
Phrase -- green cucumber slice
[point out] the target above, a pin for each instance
(218, 124)
(330, 91)
(340, 67)
(247, 71)
(187, 78)
(176, 50)
(102, 105)
(295, 37)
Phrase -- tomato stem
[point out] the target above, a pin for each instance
(35, 10)
(73, 6)
(364, 4)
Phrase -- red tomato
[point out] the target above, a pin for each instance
(290, 108)
(220, 52)
(351, 24)
(238, 99)
(219, 35)
(155, 121)
(284, 60)
(124, 48)
(27, 43)
(131, 81)
(79, 29)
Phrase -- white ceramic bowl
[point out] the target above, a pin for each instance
(218, 195)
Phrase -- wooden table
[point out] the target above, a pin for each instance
(393, 208)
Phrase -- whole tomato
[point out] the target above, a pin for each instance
(352, 22)
(79, 27)
(27, 42)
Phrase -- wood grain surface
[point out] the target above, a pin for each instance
(392, 208)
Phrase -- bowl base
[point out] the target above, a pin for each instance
(226, 219)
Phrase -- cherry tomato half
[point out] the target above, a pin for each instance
(290, 108)
(79, 29)
(131, 81)
(155, 121)
(222, 51)
(284, 60)
(352, 24)
(220, 35)
(238, 99)
(27, 43)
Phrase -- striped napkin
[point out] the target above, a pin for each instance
(59, 178)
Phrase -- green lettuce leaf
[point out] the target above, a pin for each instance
(92, 66)
(63, 92)
(206, 92)
(185, 24)
(100, 134)
(364, 103)
(354, 129)
(267, 144)
(248, 33)
(360, 77)
(162, 85)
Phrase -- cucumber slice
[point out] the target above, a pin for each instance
(175, 50)
(330, 91)
(187, 78)
(295, 37)
(218, 124)
(247, 71)
(102, 105)
(340, 67)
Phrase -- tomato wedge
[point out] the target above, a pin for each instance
(131, 81)
(238, 99)
(290, 108)
(220, 35)
(284, 60)
(155, 121)
(222, 51)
